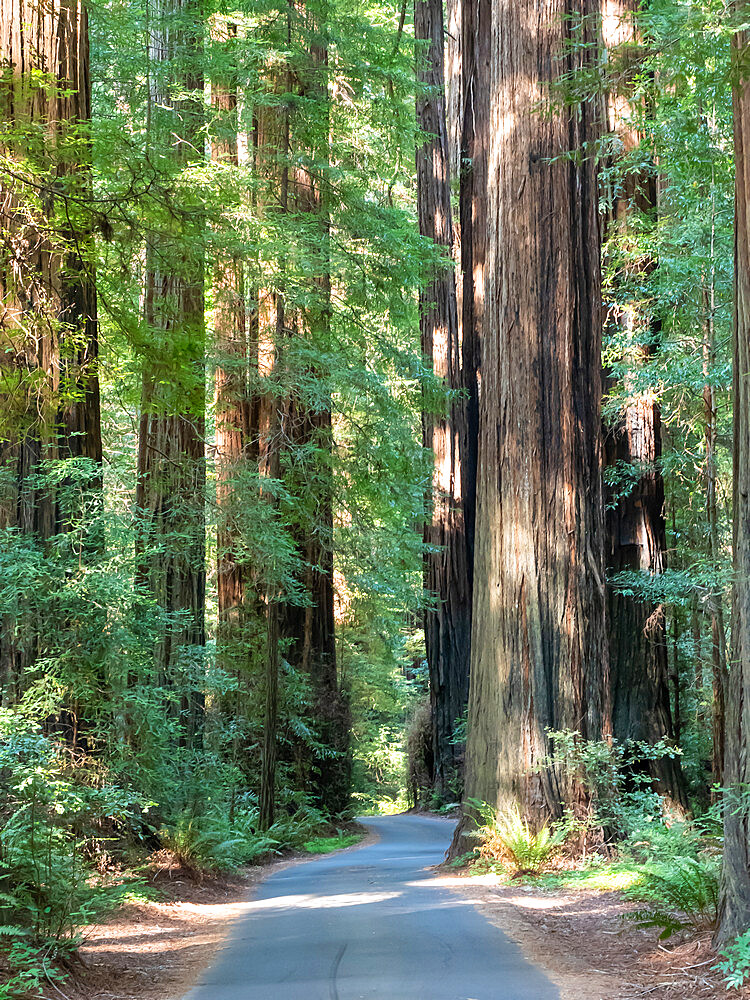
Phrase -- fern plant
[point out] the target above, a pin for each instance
(683, 894)
(214, 843)
(509, 837)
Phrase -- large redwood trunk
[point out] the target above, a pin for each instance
(734, 909)
(171, 473)
(636, 531)
(48, 321)
(539, 655)
(447, 580)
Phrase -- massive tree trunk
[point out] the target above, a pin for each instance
(636, 531)
(48, 322)
(448, 623)
(170, 493)
(734, 909)
(539, 655)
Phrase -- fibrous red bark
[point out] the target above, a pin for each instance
(447, 580)
(48, 311)
(734, 907)
(539, 655)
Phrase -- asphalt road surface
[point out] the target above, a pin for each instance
(370, 923)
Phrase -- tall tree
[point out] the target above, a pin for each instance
(539, 656)
(170, 492)
(48, 310)
(475, 21)
(236, 354)
(734, 906)
(448, 623)
(635, 526)
(711, 429)
(312, 627)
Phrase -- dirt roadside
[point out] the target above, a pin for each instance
(586, 947)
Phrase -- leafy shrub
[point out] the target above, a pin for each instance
(615, 774)
(684, 894)
(735, 966)
(51, 828)
(650, 840)
(509, 837)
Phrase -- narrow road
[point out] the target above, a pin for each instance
(370, 923)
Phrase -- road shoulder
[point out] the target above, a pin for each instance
(586, 947)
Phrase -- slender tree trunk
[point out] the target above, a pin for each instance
(716, 610)
(272, 147)
(331, 773)
(48, 319)
(539, 654)
(475, 67)
(448, 624)
(267, 798)
(170, 493)
(235, 424)
(734, 906)
(635, 525)
(455, 97)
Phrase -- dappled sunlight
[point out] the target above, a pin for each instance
(319, 902)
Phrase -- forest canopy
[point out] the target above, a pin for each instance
(372, 412)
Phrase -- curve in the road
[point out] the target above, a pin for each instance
(372, 922)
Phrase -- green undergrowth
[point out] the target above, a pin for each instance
(327, 845)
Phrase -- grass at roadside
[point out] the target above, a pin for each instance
(326, 845)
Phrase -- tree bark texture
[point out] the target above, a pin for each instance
(719, 671)
(539, 654)
(734, 906)
(635, 526)
(49, 386)
(448, 624)
(171, 472)
(475, 67)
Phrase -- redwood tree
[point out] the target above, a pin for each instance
(539, 655)
(235, 334)
(49, 388)
(734, 908)
(170, 493)
(635, 526)
(447, 577)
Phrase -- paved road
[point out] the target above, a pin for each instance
(369, 923)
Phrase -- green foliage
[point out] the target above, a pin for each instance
(682, 893)
(387, 679)
(614, 774)
(507, 836)
(326, 845)
(213, 842)
(735, 963)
